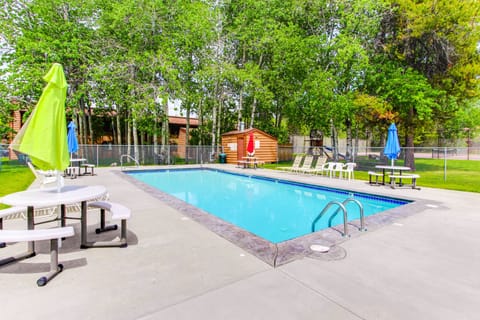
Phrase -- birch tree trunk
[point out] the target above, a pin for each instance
(409, 151)
(219, 124)
(119, 129)
(348, 152)
(165, 134)
(136, 153)
(214, 128)
(90, 129)
(114, 130)
(200, 121)
(254, 106)
(334, 139)
(187, 133)
(82, 127)
(129, 134)
(155, 138)
(239, 112)
(252, 115)
(355, 149)
(240, 103)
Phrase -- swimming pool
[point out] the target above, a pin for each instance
(273, 209)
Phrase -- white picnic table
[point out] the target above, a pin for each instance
(50, 197)
(392, 169)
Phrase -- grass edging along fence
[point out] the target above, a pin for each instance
(461, 175)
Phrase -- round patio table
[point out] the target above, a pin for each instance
(50, 197)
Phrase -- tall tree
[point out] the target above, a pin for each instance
(439, 40)
(39, 33)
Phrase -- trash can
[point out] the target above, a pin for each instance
(222, 158)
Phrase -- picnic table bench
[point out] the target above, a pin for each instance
(372, 174)
(53, 234)
(402, 177)
(249, 162)
(118, 212)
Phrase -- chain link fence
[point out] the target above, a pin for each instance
(123, 155)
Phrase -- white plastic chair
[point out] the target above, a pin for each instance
(349, 170)
(338, 167)
(328, 168)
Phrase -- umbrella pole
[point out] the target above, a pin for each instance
(59, 181)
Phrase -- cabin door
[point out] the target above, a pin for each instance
(240, 148)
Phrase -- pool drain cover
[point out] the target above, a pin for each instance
(334, 253)
(319, 248)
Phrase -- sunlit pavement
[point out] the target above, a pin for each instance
(424, 266)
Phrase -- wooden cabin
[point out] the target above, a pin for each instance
(235, 143)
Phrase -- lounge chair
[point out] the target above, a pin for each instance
(307, 164)
(296, 164)
(45, 177)
(318, 168)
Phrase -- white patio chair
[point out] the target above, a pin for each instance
(349, 170)
(328, 169)
(338, 167)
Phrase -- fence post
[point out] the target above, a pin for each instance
(444, 163)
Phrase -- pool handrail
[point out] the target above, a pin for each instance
(360, 206)
(341, 207)
(129, 157)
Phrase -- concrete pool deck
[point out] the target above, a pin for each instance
(422, 266)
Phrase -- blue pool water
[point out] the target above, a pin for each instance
(276, 210)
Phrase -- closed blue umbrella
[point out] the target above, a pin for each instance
(72, 138)
(392, 147)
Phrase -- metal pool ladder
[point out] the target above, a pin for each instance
(128, 157)
(341, 206)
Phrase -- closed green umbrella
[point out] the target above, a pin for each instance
(44, 136)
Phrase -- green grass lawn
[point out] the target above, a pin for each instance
(14, 177)
(461, 175)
